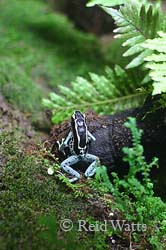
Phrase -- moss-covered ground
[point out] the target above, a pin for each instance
(39, 49)
(33, 204)
(27, 194)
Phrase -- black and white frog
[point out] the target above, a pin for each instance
(77, 142)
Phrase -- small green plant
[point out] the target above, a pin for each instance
(78, 189)
(134, 197)
(54, 169)
(102, 182)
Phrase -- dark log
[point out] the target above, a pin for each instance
(111, 136)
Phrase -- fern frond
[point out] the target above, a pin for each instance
(105, 2)
(157, 62)
(112, 3)
(136, 23)
(113, 91)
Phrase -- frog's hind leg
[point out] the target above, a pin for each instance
(91, 170)
(66, 166)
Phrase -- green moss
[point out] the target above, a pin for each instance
(40, 49)
(18, 87)
(27, 194)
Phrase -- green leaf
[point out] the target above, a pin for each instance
(138, 60)
(105, 2)
(135, 49)
(105, 94)
(136, 23)
(157, 62)
(159, 87)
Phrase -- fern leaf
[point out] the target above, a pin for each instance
(105, 2)
(111, 3)
(157, 62)
(113, 91)
(136, 23)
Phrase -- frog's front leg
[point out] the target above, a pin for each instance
(91, 170)
(66, 166)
